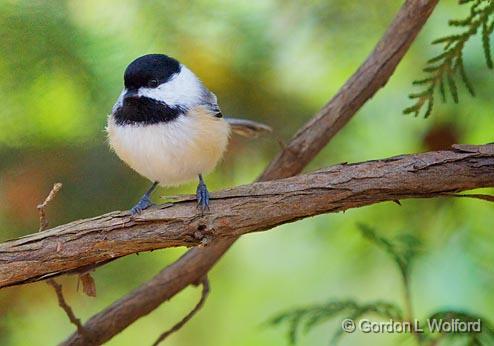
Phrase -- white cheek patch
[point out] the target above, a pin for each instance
(183, 89)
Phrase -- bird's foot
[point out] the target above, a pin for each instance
(202, 197)
(143, 203)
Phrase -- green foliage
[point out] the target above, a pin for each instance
(403, 249)
(308, 317)
(444, 69)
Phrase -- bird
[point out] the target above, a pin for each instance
(167, 126)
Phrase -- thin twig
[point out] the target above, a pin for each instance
(66, 307)
(43, 224)
(43, 221)
(481, 196)
(199, 305)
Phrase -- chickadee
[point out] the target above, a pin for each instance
(167, 126)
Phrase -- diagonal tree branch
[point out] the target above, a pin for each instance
(372, 75)
(197, 262)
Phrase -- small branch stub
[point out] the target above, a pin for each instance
(43, 221)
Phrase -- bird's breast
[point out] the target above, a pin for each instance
(171, 152)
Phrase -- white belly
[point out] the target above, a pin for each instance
(171, 153)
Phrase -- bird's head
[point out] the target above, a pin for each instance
(157, 88)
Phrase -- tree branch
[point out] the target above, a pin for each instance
(198, 261)
(249, 208)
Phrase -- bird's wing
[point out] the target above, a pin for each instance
(211, 102)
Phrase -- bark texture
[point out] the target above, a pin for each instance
(249, 208)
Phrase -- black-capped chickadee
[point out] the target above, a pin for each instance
(167, 126)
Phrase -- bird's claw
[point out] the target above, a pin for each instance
(143, 203)
(202, 197)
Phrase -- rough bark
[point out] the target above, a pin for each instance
(369, 78)
(255, 207)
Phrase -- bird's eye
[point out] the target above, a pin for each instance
(153, 83)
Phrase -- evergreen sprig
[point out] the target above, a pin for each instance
(444, 69)
(402, 250)
(308, 317)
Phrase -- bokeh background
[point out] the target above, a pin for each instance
(61, 66)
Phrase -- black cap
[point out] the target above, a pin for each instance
(150, 71)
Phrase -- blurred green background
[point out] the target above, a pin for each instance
(61, 67)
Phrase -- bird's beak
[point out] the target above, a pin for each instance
(131, 94)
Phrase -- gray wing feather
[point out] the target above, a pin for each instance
(211, 101)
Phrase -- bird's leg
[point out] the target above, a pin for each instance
(144, 202)
(202, 195)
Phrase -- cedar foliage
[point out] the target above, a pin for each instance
(444, 70)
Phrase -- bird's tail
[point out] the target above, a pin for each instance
(247, 128)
